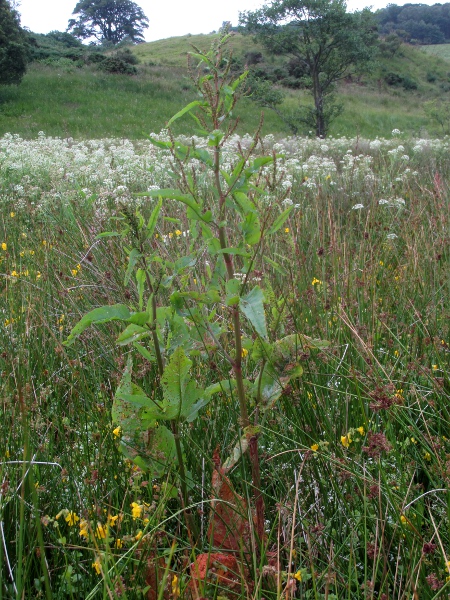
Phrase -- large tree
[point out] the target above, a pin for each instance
(326, 41)
(108, 20)
(13, 45)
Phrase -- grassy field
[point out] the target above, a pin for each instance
(354, 453)
(439, 50)
(66, 101)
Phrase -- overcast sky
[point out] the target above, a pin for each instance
(167, 18)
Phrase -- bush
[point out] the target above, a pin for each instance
(393, 79)
(116, 65)
(408, 83)
(253, 57)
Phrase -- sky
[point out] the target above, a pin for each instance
(169, 18)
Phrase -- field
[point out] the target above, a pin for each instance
(266, 395)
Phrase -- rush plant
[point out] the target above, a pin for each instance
(204, 307)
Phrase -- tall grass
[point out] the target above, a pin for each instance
(355, 455)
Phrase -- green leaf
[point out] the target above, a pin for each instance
(153, 218)
(280, 220)
(252, 306)
(144, 352)
(103, 314)
(131, 334)
(278, 268)
(184, 110)
(161, 144)
(234, 251)
(140, 280)
(174, 382)
(250, 227)
(133, 257)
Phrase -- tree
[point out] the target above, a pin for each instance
(327, 42)
(108, 20)
(13, 45)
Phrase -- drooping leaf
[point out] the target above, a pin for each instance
(251, 228)
(133, 257)
(154, 218)
(184, 110)
(280, 220)
(103, 314)
(252, 306)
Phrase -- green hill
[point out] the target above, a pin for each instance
(68, 98)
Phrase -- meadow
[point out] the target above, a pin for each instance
(341, 275)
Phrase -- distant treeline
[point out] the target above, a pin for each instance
(416, 23)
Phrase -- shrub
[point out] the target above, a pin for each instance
(116, 65)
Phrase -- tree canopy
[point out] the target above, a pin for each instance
(13, 45)
(108, 20)
(326, 41)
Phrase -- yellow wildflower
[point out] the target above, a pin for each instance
(434, 367)
(244, 352)
(286, 230)
(84, 533)
(74, 272)
(119, 543)
(136, 510)
(117, 431)
(12, 214)
(97, 566)
(175, 587)
(138, 536)
(72, 518)
(100, 531)
(403, 519)
(177, 232)
(298, 576)
(346, 440)
(316, 281)
(4, 246)
(360, 430)
(112, 520)
(315, 447)
(427, 456)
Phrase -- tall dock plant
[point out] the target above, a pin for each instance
(209, 303)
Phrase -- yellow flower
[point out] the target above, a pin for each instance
(316, 281)
(175, 587)
(298, 576)
(315, 447)
(119, 543)
(4, 246)
(427, 456)
(403, 519)
(138, 536)
(360, 430)
(100, 531)
(44, 242)
(346, 440)
(136, 510)
(434, 367)
(399, 394)
(72, 518)
(244, 352)
(117, 431)
(74, 272)
(12, 214)
(84, 533)
(381, 263)
(97, 566)
(396, 352)
(177, 232)
(286, 230)
(112, 520)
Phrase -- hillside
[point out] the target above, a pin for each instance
(68, 98)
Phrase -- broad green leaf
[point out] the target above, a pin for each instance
(103, 314)
(174, 382)
(161, 144)
(280, 220)
(131, 334)
(184, 110)
(252, 306)
(144, 352)
(139, 318)
(251, 228)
